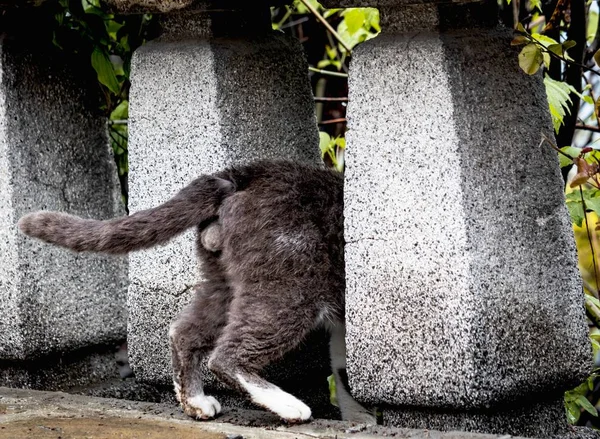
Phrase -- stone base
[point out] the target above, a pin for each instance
(543, 418)
(70, 372)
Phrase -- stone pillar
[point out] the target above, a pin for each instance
(54, 155)
(464, 301)
(216, 88)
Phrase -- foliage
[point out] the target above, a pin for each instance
(87, 28)
(576, 401)
(552, 39)
(329, 53)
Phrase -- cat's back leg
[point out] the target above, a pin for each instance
(192, 337)
(266, 321)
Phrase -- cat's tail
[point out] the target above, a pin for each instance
(195, 203)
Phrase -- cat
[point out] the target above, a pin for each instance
(271, 250)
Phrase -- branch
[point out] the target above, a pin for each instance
(326, 24)
(332, 121)
(320, 99)
(587, 128)
(328, 72)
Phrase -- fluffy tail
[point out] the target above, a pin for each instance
(195, 203)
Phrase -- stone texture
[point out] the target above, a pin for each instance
(462, 284)
(54, 155)
(197, 105)
(383, 3)
(163, 6)
(70, 371)
(543, 418)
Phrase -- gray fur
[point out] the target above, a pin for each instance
(271, 251)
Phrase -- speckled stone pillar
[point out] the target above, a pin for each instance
(54, 155)
(216, 89)
(464, 301)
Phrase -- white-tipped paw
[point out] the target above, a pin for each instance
(202, 407)
(276, 400)
(291, 409)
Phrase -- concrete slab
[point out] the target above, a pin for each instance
(48, 415)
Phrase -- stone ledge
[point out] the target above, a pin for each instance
(22, 410)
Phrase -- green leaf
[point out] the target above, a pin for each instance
(332, 392)
(587, 405)
(121, 111)
(568, 44)
(536, 4)
(558, 100)
(556, 48)
(105, 70)
(593, 204)
(570, 150)
(546, 58)
(592, 25)
(324, 63)
(573, 412)
(544, 40)
(576, 212)
(530, 58)
(354, 19)
(329, 12)
(324, 142)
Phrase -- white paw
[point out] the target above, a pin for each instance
(276, 400)
(202, 407)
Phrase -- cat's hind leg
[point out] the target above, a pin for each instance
(263, 325)
(350, 408)
(192, 336)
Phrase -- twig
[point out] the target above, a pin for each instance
(331, 121)
(328, 72)
(326, 24)
(553, 146)
(294, 23)
(118, 122)
(323, 99)
(587, 128)
(287, 14)
(563, 59)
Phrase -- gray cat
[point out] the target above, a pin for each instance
(272, 253)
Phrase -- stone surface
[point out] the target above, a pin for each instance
(382, 3)
(65, 371)
(23, 411)
(54, 155)
(462, 284)
(539, 418)
(196, 106)
(164, 6)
